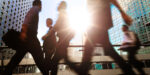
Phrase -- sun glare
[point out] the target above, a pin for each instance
(79, 20)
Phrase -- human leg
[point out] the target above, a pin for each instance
(15, 60)
(61, 51)
(48, 60)
(86, 59)
(109, 50)
(133, 61)
(66, 58)
(55, 63)
(36, 51)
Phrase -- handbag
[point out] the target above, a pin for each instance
(11, 39)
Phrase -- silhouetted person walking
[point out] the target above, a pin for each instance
(30, 41)
(131, 44)
(98, 34)
(49, 44)
(65, 34)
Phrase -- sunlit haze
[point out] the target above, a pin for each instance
(79, 20)
(78, 17)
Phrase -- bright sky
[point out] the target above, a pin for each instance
(78, 16)
(75, 10)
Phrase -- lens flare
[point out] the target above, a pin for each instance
(79, 20)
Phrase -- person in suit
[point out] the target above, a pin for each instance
(49, 44)
(30, 42)
(131, 44)
(98, 34)
(64, 34)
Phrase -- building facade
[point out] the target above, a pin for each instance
(139, 10)
(12, 14)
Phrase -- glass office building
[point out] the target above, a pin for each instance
(139, 10)
(12, 14)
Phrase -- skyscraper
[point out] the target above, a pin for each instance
(139, 10)
(115, 33)
(12, 14)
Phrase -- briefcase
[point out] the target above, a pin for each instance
(11, 39)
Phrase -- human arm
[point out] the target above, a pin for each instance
(23, 35)
(128, 20)
(50, 33)
(130, 38)
(29, 22)
(133, 37)
(44, 37)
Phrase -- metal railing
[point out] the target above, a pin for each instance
(5, 47)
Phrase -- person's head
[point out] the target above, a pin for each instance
(125, 28)
(49, 22)
(37, 3)
(62, 6)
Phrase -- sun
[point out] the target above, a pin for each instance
(79, 20)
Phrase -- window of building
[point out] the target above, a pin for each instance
(8, 2)
(3, 7)
(4, 3)
(7, 7)
(3, 32)
(14, 17)
(2, 13)
(7, 11)
(9, 19)
(147, 62)
(98, 66)
(12, 6)
(9, 25)
(105, 66)
(5, 22)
